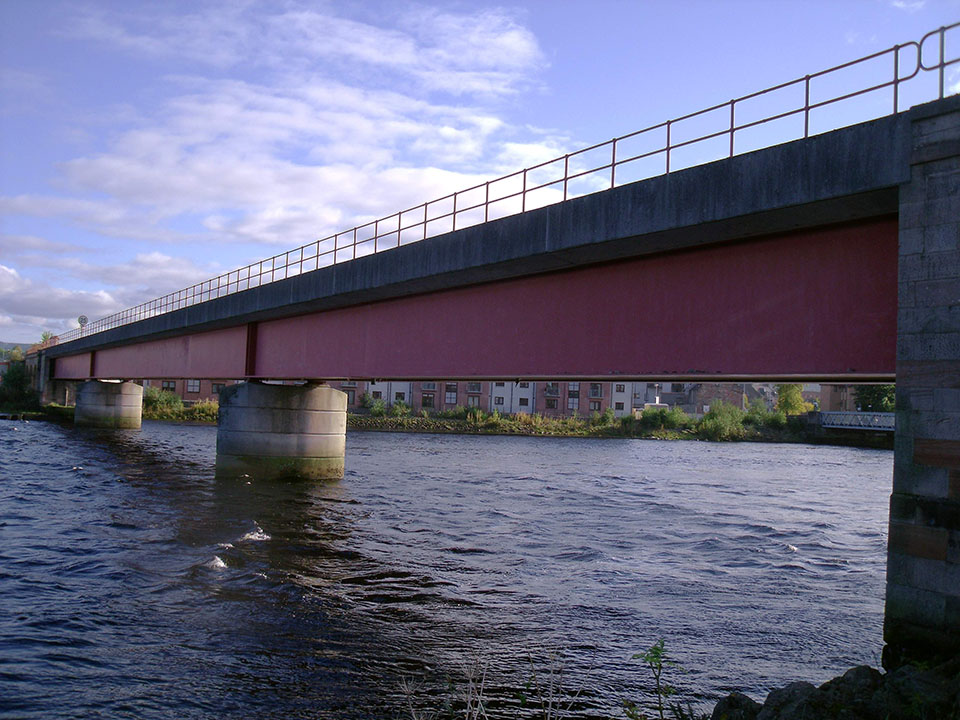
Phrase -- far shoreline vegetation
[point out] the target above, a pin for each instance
(724, 422)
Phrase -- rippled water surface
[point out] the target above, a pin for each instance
(135, 584)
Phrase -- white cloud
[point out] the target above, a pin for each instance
(910, 6)
(273, 125)
(28, 303)
(486, 52)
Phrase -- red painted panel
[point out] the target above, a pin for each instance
(815, 302)
(72, 367)
(215, 354)
(819, 302)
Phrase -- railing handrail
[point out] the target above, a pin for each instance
(310, 257)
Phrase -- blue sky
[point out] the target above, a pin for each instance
(145, 146)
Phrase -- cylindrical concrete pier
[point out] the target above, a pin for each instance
(109, 405)
(281, 431)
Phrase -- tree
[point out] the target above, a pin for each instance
(16, 355)
(15, 390)
(875, 398)
(46, 335)
(790, 400)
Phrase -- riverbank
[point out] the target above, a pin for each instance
(658, 424)
(724, 423)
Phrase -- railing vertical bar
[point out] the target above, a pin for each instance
(943, 66)
(733, 125)
(486, 204)
(376, 234)
(613, 164)
(354, 246)
(896, 78)
(566, 173)
(454, 212)
(668, 146)
(806, 106)
(523, 193)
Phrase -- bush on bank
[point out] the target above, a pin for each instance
(164, 405)
(16, 395)
(724, 422)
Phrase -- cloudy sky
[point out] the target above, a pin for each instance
(145, 146)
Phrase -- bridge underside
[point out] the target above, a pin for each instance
(818, 304)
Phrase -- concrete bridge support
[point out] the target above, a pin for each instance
(281, 431)
(923, 565)
(109, 405)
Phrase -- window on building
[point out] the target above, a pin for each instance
(351, 395)
(525, 402)
(217, 388)
(573, 403)
(573, 386)
(170, 385)
(573, 393)
(399, 397)
(524, 385)
(497, 400)
(621, 388)
(499, 384)
(426, 400)
(473, 387)
(428, 386)
(377, 395)
(450, 394)
(676, 387)
(473, 401)
(193, 386)
(618, 406)
(596, 390)
(551, 388)
(594, 406)
(348, 383)
(551, 403)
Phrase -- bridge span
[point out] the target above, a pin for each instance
(834, 257)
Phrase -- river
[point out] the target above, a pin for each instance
(135, 584)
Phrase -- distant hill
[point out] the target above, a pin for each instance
(11, 346)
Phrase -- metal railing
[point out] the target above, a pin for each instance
(535, 187)
(884, 421)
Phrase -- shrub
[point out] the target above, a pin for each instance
(676, 419)
(607, 418)
(378, 408)
(400, 409)
(202, 411)
(653, 418)
(161, 400)
(457, 413)
(723, 422)
(15, 390)
(760, 417)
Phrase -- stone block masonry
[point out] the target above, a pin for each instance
(923, 565)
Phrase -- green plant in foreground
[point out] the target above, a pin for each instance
(656, 659)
